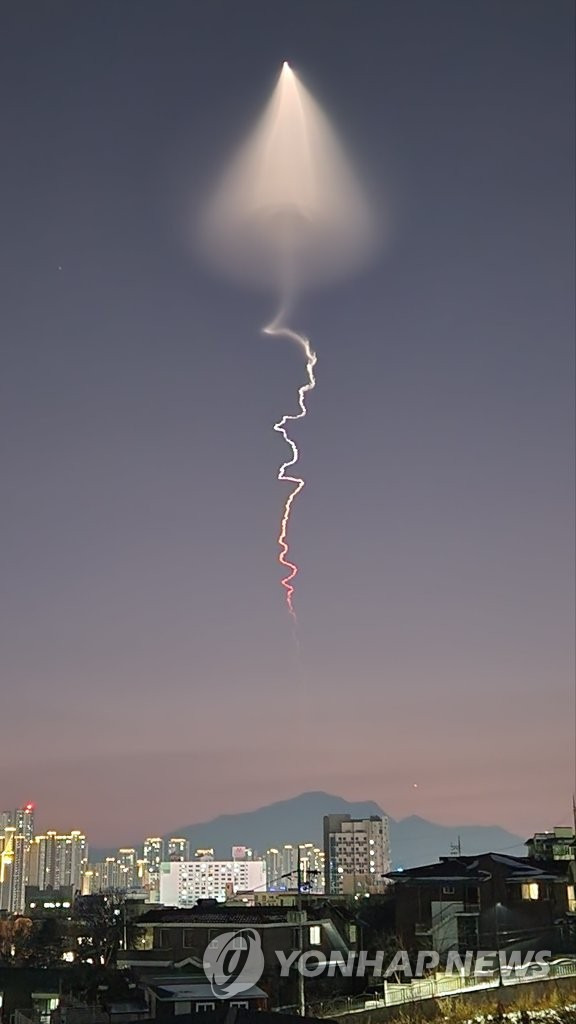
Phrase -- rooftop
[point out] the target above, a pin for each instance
(479, 868)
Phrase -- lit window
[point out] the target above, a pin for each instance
(571, 894)
(530, 891)
(315, 935)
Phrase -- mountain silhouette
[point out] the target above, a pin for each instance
(413, 840)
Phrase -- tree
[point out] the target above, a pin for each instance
(15, 935)
(47, 942)
(100, 925)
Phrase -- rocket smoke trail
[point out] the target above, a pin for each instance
(289, 213)
(276, 329)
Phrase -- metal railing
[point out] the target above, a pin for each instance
(436, 987)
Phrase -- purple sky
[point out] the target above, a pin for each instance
(148, 670)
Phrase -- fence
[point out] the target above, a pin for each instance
(438, 986)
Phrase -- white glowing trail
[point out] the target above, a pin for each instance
(276, 329)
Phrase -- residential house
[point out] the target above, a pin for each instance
(177, 995)
(560, 844)
(489, 901)
(175, 940)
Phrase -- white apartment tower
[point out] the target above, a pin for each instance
(356, 854)
(183, 883)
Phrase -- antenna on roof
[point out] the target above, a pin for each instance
(456, 848)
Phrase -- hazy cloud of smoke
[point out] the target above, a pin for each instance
(289, 211)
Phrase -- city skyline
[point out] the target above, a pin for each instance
(50, 869)
(150, 677)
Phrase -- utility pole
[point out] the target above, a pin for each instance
(301, 993)
(498, 943)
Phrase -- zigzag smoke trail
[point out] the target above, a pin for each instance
(277, 330)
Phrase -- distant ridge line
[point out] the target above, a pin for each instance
(414, 840)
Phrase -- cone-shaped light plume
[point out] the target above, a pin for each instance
(289, 205)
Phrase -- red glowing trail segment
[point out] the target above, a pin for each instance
(277, 330)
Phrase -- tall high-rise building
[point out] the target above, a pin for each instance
(78, 859)
(142, 880)
(16, 832)
(104, 876)
(127, 868)
(153, 858)
(289, 864)
(22, 819)
(282, 867)
(6, 820)
(13, 870)
(58, 861)
(273, 871)
(178, 849)
(153, 854)
(356, 854)
(88, 881)
(121, 873)
(311, 867)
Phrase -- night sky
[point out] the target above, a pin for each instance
(149, 672)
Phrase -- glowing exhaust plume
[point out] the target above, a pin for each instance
(288, 204)
(289, 214)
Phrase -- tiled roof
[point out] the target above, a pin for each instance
(226, 915)
(186, 992)
(479, 868)
(222, 914)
